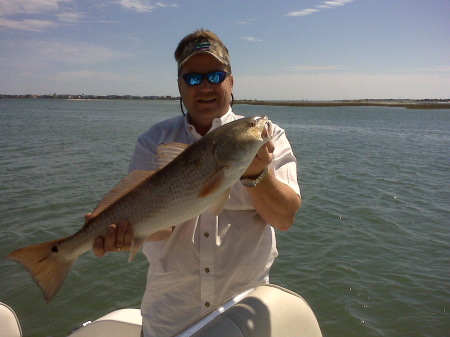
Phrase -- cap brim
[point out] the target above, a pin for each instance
(221, 60)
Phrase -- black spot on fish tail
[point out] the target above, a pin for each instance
(55, 249)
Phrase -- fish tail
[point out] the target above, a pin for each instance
(47, 268)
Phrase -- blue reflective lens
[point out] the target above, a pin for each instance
(216, 77)
(213, 77)
(193, 79)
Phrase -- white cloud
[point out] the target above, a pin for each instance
(41, 54)
(325, 5)
(337, 2)
(11, 7)
(160, 4)
(71, 17)
(302, 12)
(31, 7)
(247, 22)
(251, 39)
(28, 24)
(140, 6)
(143, 6)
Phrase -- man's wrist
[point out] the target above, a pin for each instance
(255, 180)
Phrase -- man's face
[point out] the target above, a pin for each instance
(205, 101)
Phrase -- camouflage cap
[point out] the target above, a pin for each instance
(219, 51)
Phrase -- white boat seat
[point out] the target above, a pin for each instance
(268, 311)
(119, 323)
(9, 323)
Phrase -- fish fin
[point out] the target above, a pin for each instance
(213, 183)
(168, 152)
(46, 269)
(218, 206)
(123, 187)
(136, 245)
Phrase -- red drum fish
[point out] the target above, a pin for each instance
(193, 179)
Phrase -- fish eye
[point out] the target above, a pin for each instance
(254, 121)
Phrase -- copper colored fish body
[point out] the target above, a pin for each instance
(192, 179)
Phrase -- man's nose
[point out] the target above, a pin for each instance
(205, 85)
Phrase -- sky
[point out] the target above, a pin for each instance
(279, 49)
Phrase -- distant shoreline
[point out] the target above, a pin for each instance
(394, 103)
(422, 104)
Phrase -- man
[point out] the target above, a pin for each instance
(197, 265)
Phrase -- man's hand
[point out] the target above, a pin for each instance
(274, 201)
(262, 159)
(118, 237)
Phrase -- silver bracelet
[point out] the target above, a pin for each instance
(248, 182)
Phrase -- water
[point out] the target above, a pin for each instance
(369, 250)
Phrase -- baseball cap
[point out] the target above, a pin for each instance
(204, 46)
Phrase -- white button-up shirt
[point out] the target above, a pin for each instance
(208, 259)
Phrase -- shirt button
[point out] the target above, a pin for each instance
(206, 270)
(207, 304)
(206, 234)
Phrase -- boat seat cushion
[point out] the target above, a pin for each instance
(267, 311)
(9, 323)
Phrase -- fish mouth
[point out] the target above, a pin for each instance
(267, 128)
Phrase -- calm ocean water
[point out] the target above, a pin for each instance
(370, 249)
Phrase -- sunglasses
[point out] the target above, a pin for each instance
(214, 77)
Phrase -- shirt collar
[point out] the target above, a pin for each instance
(228, 117)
